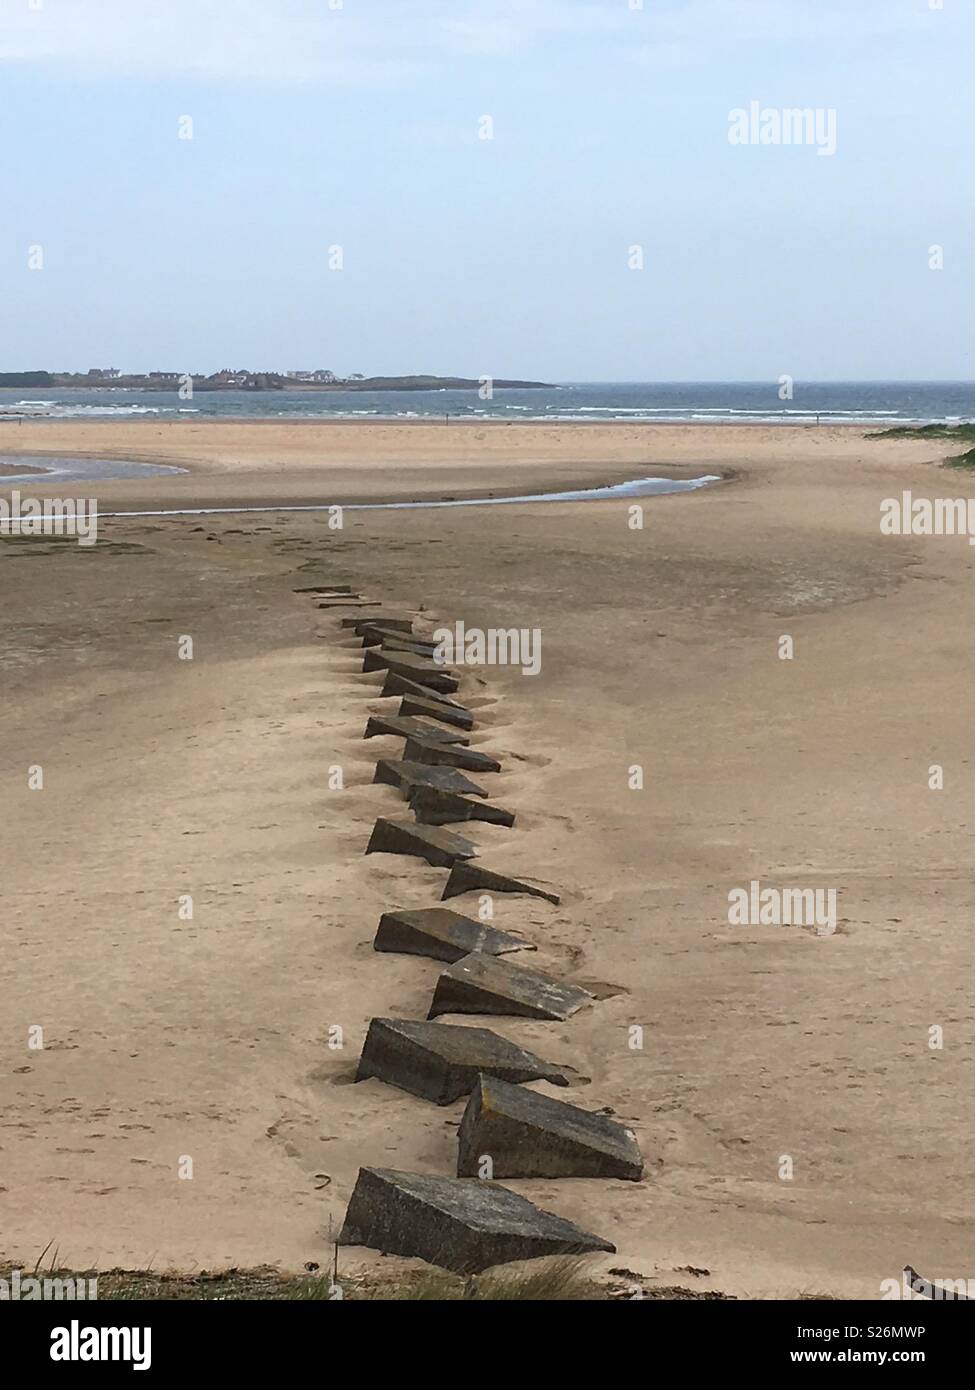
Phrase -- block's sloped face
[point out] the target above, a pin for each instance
(398, 726)
(441, 1061)
(479, 985)
(399, 642)
(395, 684)
(372, 632)
(431, 806)
(436, 709)
(411, 665)
(438, 847)
(392, 641)
(529, 1135)
(407, 776)
(374, 660)
(420, 668)
(461, 1224)
(373, 636)
(442, 934)
(423, 750)
(465, 878)
(414, 668)
(399, 622)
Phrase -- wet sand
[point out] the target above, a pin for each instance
(167, 1038)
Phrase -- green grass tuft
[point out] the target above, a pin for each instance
(959, 433)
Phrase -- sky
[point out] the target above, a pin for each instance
(338, 205)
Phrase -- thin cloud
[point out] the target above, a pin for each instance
(222, 40)
(392, 42)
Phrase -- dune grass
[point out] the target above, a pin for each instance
(960, 434)
(545, 1281)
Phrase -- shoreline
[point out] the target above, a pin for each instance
(640, 487)
(304, 463)
(274, 465)
(629, 490)
(447, 421)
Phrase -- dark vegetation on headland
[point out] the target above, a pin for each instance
(958, 434)
(26, 379)
(253, 381)
(422, 383)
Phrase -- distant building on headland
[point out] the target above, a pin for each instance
(319, 378)
(105, 373)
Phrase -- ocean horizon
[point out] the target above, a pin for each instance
(843, 402)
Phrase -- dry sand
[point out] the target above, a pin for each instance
(208, 1038)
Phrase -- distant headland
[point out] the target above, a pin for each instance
(245, 380)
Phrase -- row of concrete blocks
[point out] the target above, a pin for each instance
(465, 1223)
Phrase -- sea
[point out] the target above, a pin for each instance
(879, 403)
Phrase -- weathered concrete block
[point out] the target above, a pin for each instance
(461, 1224)
(424, 750)
(441, 1061)
(465, 878)
(405, 727)
(372, 631)
(396, 684)
(438, 847)
(479, 985)
(388, 640)
(443, 935)
(409, 664)
(418, 668)
(435, 709)
(393, 643)
(432, 806)
(401, 622)
(529, 1135)
(403, 641)
(348, 601)
(406, 776)
(395, 648)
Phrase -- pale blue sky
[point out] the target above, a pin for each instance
(358, 126)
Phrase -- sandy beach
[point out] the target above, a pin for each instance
(209, 1039)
